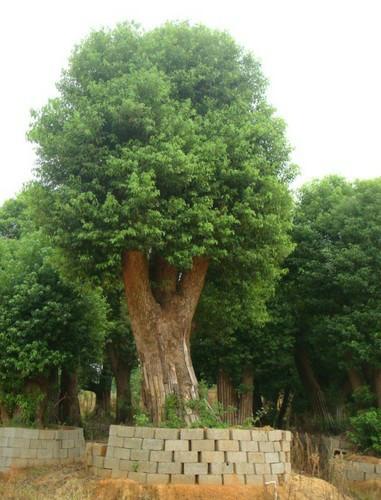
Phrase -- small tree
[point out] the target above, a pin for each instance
(160, 156)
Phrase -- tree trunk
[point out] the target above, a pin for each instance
(283, 408)
(229, 396)
(53, 390)
(161, 318)
(103, 399)
(69, 410)
(121, 368)
(313, 389)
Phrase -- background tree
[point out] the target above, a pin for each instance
(159, 157)
(48, 326)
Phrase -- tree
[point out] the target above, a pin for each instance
(159, 157)
(332, 291)
(47, 325)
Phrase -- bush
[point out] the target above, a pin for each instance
(366, 431)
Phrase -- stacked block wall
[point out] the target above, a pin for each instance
(197, 456)
(33, 447)
(358, 470)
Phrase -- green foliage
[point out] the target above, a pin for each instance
(163, 142)
(366, 431)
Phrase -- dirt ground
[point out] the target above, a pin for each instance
(75, 483)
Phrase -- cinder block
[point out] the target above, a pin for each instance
(133, 443)
(113, 430)
(254, 479)
(241, 434)
(195, 468)
(236, 456)
(365, 467)
(28, 453)
(11, 452)
(192, 434)
(266, 446)
(9, 431)
(355, 475)
(233, 479)
(186, 456)
(286, 445)
(62, 454)
(271, 458)
(223, 434)
(123, 453)
(44, 453)
(286, 435)
(225, 468)
(262, 469)
(202, 445)
(153, 444)
(68, 443)
(183, 479)
(128, 465)
(212, 457)
(116, 441)
(176, 445)
(287, 467)
(167, 433)
(29, 433)
(227, 445)
(277, 446)
(249, 446)
(44, 434)
(16, 442)
(117, 473)
(144, 432)
(210, 479)
(103, 473)
(277, 468)
(111, 463)
(259, 436)
(140, 455)
(3, 442)
(169, 468)
(282, 456)
(275, 435)
(35, 443)
(49, 444)
(244, 468)
(150, 467)
(378, 468)
(271, 477)
(158, 478)
(139, 477)
(161, 456)
(125, 431)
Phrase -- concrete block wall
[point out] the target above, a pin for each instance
(197, 456)
(21, 447)
(357, 469)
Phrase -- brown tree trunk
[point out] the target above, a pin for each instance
(313, 389)
(241, 401)
(53, 390)
(69, 409)
(121, 369)
(283, 407)
(103, 399)
(161, 318)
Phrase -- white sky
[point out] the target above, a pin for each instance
(322, 58)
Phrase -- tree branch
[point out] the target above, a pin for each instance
(192, 283)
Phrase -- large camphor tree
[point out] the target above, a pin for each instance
(159, 156)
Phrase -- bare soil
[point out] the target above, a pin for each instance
(73, 482)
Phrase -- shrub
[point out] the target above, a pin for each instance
(366, 431)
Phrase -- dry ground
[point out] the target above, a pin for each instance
(75, 483)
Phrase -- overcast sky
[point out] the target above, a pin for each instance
(322, 58)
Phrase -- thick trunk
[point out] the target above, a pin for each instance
(313, 389)
(241, 401)
(121, 368)
(161, 319)
(103, 400)
(69, 410)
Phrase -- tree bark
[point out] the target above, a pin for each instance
(313, 389)
(121, 369)
(229, 396)
(283, 408)
(161, 318)
(69, 410)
